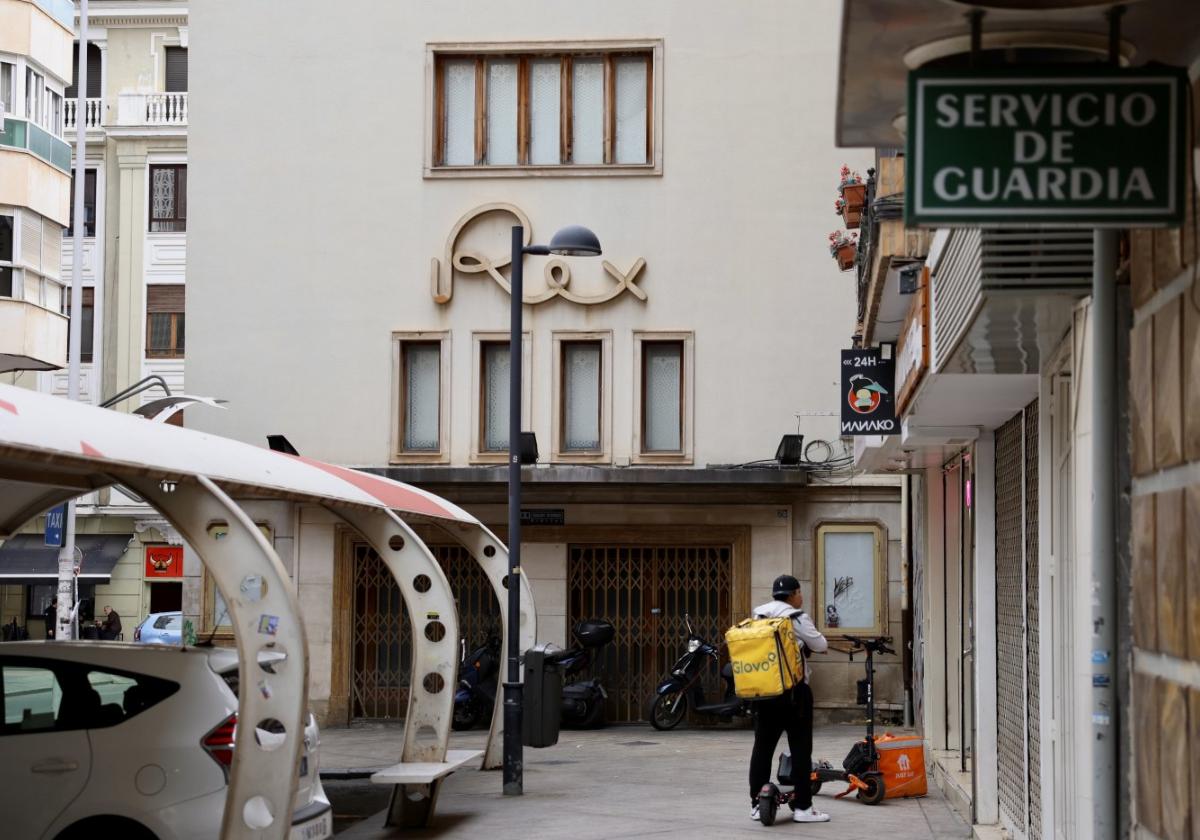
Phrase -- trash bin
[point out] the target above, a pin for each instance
(542, 706)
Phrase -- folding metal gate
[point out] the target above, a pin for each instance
(645, 591)
(382, 634)
(1016, 623)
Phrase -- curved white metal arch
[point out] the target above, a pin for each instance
(266, 618)
(477, 540)
(428, 712)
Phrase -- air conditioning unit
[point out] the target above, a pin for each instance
(1001, 299)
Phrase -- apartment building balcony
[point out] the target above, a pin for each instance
(32, 337)
(93, 114)
(157, 112)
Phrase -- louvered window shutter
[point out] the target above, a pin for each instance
(177, 70)
(165, 298)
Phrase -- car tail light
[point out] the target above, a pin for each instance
(219, 743)
(137, 633)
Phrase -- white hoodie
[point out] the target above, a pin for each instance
(806, 632)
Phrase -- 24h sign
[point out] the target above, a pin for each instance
(1094, 146)
(868, 392)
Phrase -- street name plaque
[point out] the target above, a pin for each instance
(1088, 146)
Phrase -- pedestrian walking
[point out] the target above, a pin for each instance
(791, 712)
(51, 617)
(111, 628)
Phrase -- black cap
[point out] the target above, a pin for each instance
(784, 585)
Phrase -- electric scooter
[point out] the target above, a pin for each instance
(682, 687)
(860, 769)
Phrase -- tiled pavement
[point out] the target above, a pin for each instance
(631, 781)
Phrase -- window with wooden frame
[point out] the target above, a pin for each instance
(663, 397)
(168, 198)
(494, 377)
(585, 106)
(164, 321)
(420, 425)
(851, 579)
(490, 385)
(582, 396)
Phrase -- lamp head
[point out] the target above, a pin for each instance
(575, 241)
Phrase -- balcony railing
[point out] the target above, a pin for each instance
(93, 113)
(166, 109)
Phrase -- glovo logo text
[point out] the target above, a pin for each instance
(767, 664)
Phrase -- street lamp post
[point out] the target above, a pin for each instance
(571, 241)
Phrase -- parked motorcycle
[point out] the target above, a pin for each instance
(477, 678)
(682, 688)
(583, 700)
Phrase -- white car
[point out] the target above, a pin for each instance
(113, 739)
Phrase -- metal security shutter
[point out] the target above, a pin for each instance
(645, 591)
(1032, 658)
(176, 75)
(1010, 621)
(381, 641)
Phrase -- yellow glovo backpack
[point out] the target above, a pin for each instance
(765, 656)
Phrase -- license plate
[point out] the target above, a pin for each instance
(315, 829)
(303, 765)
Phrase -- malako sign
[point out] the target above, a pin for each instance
(1094, 146)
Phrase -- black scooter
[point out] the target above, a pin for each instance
(583, 700)
(477, 676)
(860, 769)
(682, 687)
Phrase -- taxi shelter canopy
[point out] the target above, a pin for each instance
(52, 450)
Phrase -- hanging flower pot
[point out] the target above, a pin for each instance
(844, 248)
(850, 216)
(854, 193)
(845, 256)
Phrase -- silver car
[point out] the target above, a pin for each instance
(113, 739)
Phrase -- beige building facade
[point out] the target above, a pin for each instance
(349, 290)
(134, 267)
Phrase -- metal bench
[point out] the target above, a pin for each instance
(416, 786)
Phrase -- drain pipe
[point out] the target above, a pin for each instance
(1104, 534)
(1104, 741)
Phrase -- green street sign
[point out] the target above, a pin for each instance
(1067, 145)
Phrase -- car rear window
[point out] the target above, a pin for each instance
(165, 621)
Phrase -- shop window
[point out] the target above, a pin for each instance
(420, 418)
(165, 321)
(216, 618)
(562, 108)
(168, 198)
(851, 580)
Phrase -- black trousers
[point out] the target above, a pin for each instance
(791, 713)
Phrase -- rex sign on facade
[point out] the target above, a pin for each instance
(1095, 146)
